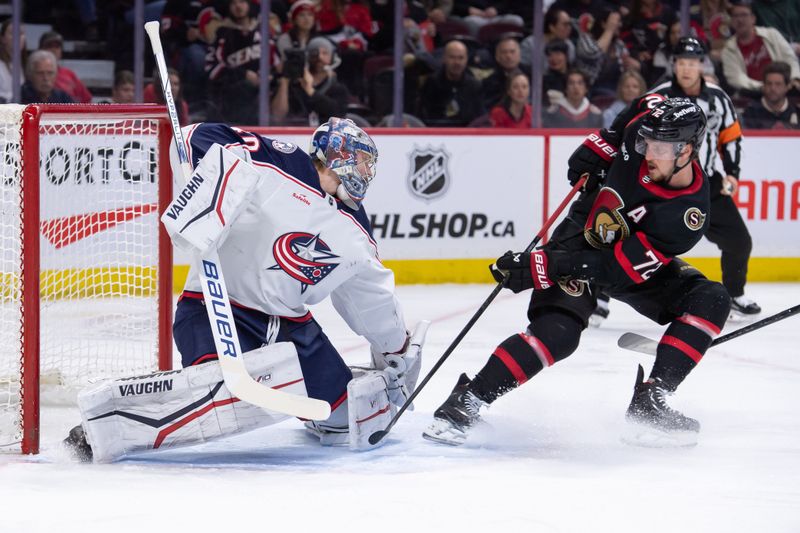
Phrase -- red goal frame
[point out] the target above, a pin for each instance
(31, 235)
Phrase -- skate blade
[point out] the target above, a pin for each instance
(443, 432)
(650, 437)
(737, 317)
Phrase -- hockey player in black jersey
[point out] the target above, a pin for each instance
(723, 136)
(622, 234)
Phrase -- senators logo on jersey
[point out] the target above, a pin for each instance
(694, 218)
(300, 255)
(605, 224)
(573, 287)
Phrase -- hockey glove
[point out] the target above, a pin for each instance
(538, 270)
(521, 271)
(401, 369)
(593, 157)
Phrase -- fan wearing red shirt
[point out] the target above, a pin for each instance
(348, 23)
(514, 110)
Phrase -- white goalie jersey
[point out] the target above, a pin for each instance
(294, 245)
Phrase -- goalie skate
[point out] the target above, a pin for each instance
(456, 416)
(77, 445)
(652, 423)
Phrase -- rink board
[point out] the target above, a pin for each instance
(446, 202)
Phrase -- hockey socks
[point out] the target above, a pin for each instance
(551, 337)
(681, 348)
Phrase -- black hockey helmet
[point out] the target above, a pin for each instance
(689, 47)
(677, 121)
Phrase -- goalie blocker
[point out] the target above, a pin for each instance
(192, 406)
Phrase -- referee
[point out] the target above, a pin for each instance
(724, 137)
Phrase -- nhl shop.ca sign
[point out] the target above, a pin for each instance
(428, 176)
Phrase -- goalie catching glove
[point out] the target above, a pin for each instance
(401, 369)
(539, 270)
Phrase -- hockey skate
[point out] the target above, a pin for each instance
(742, 308)
(600, 313)
(76, 443)
(454, 418)
(653, 423)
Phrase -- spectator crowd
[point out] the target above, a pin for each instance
(465, 62)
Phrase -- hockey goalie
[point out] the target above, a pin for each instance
(290, 231)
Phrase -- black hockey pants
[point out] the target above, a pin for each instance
(728, 231)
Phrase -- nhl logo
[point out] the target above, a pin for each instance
(428, 176)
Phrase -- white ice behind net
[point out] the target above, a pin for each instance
(99, 246)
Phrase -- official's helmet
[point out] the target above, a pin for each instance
(347, 150)
(675, 122)
(689, 47)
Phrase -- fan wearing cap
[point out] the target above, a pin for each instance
(719, 155)
(66, 79)
(311, 94)
(303, 19)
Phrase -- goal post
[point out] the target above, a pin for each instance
(85, 266)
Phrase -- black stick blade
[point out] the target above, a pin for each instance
(376, 437)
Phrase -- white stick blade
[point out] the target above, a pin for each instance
(242, 385)
(637, 343)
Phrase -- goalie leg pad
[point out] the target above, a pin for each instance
(367, 410)
(369, 407)
(182, 407)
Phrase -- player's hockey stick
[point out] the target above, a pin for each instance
(642, 344)
(215, 293)
(378, 435)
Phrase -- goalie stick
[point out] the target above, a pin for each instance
(378, 435)
(642, 344)
(226, 340)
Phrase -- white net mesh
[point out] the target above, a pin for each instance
(99, 255)
(10, 311)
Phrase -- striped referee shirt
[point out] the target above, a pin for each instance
(723, 131)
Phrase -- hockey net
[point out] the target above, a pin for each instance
(86, 270)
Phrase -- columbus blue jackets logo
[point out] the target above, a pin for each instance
(285, 147)
(303, 256)
(428, 176)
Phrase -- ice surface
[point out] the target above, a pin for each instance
(549, 460)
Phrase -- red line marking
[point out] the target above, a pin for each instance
(164, 433)
(373, 415)
(222, 194)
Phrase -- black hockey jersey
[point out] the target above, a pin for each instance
(634, 225)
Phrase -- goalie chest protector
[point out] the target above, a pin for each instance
(294, 244)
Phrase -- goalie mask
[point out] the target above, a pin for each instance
(348, 151)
